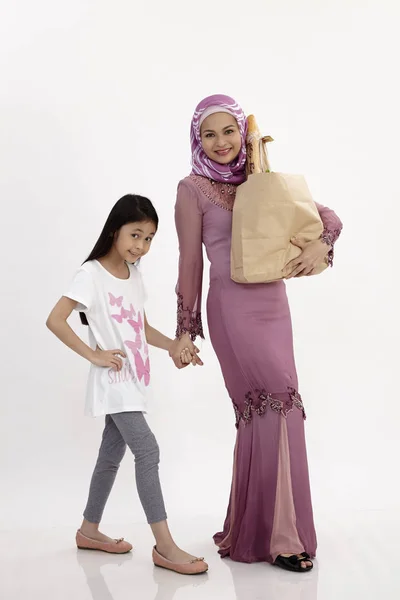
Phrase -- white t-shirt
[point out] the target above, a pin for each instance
(114, 309)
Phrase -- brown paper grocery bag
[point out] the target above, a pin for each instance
(270, 209)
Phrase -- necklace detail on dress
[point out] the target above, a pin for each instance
(220, 194)
(224, 188)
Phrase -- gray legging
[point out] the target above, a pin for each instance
(121, 430)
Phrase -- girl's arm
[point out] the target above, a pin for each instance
(159, 340)
(57, 323)
(156, 338)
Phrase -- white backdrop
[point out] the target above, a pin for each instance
(96, 101)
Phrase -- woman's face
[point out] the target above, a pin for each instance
(220, 138)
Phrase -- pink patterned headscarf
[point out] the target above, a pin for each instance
(233, 172)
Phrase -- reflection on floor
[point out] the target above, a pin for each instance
(352, 563)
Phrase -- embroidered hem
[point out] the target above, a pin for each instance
(259, 401)
(188, 322)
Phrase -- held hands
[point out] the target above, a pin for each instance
(108, 358)
(313, 253)
(183, 352)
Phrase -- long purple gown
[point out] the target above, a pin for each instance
(270, 509)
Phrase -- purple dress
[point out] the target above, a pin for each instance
(270, 509)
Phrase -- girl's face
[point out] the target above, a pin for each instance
(220, 138)
(133, 240)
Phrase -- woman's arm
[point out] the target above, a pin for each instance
(189, 227)
(313, 253)
(332, 229)
(57, 323)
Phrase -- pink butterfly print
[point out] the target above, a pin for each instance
(118, 318)
(128, 313)
(115, 301)
(142, 368)
(134, 346)
(146, 348)
(137, 325)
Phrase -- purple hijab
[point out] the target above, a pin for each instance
(233, 172)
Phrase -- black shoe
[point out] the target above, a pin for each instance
(293, 563)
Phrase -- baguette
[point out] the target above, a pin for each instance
(257, 159)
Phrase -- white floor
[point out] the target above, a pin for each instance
(357, 559)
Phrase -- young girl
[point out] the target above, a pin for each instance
(108, 291)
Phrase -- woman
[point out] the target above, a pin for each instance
(270, 515)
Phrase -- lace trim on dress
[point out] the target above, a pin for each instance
(329, 237)
(259, 401)
(188, 322)
(220, 194)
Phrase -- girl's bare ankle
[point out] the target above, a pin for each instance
(166, 547)
(89, 527)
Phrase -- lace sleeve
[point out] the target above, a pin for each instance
(332, 229)
(189, 225)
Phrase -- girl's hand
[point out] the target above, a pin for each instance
(313, 253)
(108, 358)
(183, 352)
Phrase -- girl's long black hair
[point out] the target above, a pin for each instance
(129, 209)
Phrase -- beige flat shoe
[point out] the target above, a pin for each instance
(116, 547)
(193, 567)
